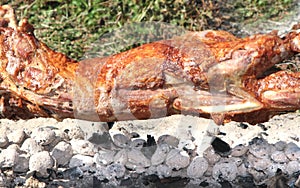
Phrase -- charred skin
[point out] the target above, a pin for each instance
(211, 74)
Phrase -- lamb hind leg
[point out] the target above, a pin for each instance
(280, 91)
(214, 105)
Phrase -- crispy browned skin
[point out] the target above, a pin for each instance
(195, 72)
(35, 81)
(210, 74)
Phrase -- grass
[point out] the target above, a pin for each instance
(70, 26)
(254, 9)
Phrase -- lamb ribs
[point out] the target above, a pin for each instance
(210, 74)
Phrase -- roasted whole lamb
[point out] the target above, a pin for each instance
(210, 74)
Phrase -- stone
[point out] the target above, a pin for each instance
(280, 145)
(151, 170)
(61, 135)
(293, 167)
(209, 171)
(19, 180)
(75, 132)
(137, 159)
(179, 173)
(40, 162)
(138, 143)
(242, 170)
(163, 171)
(261, 149)
(279, 157)
(82, 161)
(3, 180)
(177, 159)
(259, 164)
(43, 136)
(258, 176)
(121, 157)
(83, 147)
(160, 154)
(168, 139)
(72, 173)
(239, 150)
(62, 153)
(272, 169)
(211, 156)
(49, 147)
(8, 158)
(23, 163)
(148, 151)
(116, 170)
(197, 167)
(221, 147)
(31, 146)
(121, 140)
(104, 157)
(292, 152)
(206, 182)
(3, 140)
(102, 140)
(291, 145)
(225, 171)
(16, 136)
(15, 147)
(297, 182)
(236, 160)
